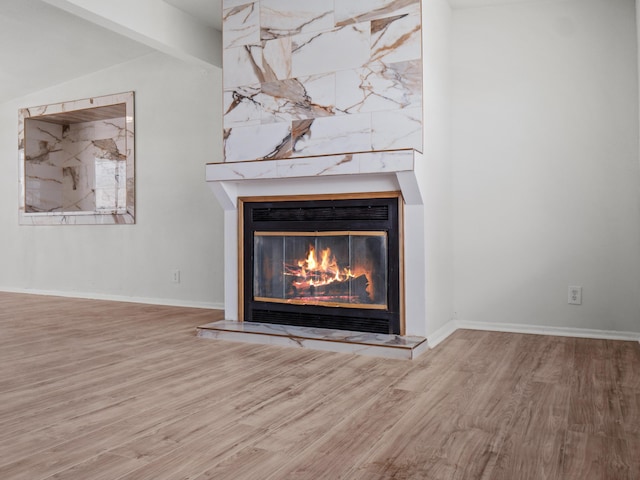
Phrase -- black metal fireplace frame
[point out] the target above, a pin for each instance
(377, 213)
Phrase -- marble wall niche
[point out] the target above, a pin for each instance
(77, 162)
(306, 78)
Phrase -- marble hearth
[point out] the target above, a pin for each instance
(341, 341)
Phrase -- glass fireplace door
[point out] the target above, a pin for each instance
(345, 269)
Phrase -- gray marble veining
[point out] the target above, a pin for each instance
(303, 76)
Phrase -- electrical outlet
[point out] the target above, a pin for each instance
(575, 295)
(175, 276)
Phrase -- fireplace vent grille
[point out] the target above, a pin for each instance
(300, 319)
(310, 214)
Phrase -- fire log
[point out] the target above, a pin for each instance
(355, 287)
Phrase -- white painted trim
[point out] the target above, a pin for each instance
(433, 340)
(442, 333)
(450, 327)
(169, 302)
(547, 330)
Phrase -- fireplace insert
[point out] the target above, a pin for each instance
(322, 263)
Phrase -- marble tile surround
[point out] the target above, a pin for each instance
(341, 341)
(81, 173)
(67, 175)
(306, 78)
(322, 97)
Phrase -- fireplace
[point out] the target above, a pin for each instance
(319, 262)
(300, 121)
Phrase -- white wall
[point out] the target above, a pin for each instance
(436, 181)
(546, 174)
(178, 221)
(638, 58)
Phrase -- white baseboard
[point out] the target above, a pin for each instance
(442, 333)
(170, 302)
(555, 331)
(433, 339)
(450, 327)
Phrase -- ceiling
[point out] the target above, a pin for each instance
(208, 11)
(485, 3)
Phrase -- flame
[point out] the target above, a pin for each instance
(323, 269)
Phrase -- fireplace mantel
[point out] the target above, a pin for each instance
(390, 170)
(352, 173)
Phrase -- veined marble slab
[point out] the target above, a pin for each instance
(298, 99)
(44, 161)
(276, 59)
(85, 166)
(343, 133)
(280, 101)
(242, 106)
(397, 129)
(324, 165)
(341, 341)
(316, 61)
(48, 135)
(44, 188)
(329, 51)
(280, 18)
(357, 11)
(245, 66)
(396, 39)
(318, 166)
(379, 87)
(241, 25)
(260, 141)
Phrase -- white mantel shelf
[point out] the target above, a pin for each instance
(398, 165)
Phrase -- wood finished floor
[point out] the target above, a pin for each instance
(97, 390)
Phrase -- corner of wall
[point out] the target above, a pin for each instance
(437, 181)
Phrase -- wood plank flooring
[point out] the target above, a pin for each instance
(98, 390)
